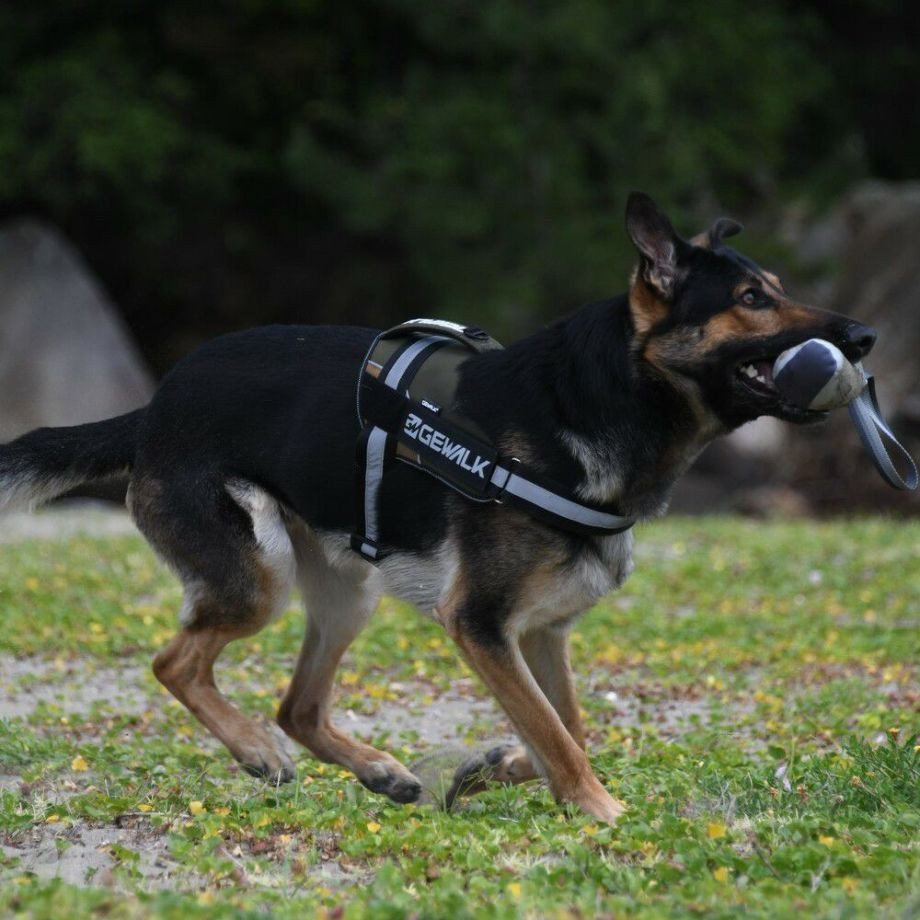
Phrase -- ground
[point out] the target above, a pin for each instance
(752, 695)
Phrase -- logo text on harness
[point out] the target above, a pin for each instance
(439, 442)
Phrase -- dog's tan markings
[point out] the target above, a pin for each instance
(504, 671)
(738, 323)
(185, 668)
(645, 306)
(340, 600)
(546, 651)
(563, 762)
(773, 280)
(702, 240)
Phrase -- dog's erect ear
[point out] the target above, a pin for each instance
(654, 237)
(722, 228)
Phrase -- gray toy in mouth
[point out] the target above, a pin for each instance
(815, 375)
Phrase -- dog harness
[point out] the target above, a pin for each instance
(405, 404)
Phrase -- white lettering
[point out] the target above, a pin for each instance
(438, 441)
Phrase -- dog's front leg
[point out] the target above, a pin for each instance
(559, 758)
(546, 652)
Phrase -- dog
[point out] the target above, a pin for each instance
(241, 477)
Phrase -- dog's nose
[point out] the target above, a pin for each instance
(859, 339)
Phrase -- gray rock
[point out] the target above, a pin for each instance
(65, 355)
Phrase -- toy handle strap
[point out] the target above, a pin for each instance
(868, 419)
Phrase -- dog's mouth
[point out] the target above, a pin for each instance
(757, 376)
(754, 378)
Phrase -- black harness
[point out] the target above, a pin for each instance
(406, 393)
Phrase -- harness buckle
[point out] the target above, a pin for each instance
(512, 464)
(366, 548)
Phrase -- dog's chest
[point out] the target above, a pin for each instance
(559, 595)
(551, 595)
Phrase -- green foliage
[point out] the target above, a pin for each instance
(252, 161)
(771, 765)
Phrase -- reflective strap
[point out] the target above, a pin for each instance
(371, 465)
(867, 417)
(401, 364)
(373, 473)
(536, 495)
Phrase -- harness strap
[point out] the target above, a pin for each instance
(376, 444)
(867, 417)
(542, 498)
(415, 432)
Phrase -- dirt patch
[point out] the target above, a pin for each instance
(74, 687)
(82, 854)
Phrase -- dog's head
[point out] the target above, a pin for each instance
(710, 322)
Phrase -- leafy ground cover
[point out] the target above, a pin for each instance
(752, 695)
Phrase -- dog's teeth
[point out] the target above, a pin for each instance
(761, 378)
(750, 370)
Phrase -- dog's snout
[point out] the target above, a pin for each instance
(859, 340)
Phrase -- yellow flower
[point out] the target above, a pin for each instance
(721, 874)
(515, 889)
(825, 841)
(590, 830)
(79, 764)
(52, 819)
(714, 831)
(144, 807)
(849, 884)
(196, 808)
(373, 826)
(223, 811)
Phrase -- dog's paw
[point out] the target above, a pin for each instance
(393, 781)
(273, 766)
(505, 763)
(594, 800)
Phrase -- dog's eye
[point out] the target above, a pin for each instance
(750, 297)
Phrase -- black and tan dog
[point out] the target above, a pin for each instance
(242, 477)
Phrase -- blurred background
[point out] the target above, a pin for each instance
(172, 171)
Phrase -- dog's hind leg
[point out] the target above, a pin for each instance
(340, 595)
(229, 544)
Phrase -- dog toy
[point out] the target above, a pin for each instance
(816, 375)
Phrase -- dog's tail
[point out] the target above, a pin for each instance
(47, 462)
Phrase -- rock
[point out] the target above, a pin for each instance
(65, 355)
(878, 283)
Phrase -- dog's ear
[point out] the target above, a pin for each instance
(654, 237)
(713, 237)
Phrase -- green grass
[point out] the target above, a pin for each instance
(788, 782)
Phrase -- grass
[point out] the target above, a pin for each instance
(751, 694)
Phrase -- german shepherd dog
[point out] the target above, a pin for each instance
(242, 479)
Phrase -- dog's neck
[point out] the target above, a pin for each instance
(631, 433)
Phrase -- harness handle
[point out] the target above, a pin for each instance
(867, 417)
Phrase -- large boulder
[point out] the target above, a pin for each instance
(65, 355)
(877, 282)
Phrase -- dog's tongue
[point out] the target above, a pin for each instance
(765, 370)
